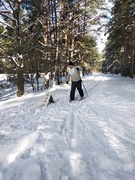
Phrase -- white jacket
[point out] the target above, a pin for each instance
(74, 73)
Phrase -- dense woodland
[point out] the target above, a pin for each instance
(120, 46)
(43, 36)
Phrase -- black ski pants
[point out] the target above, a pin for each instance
(74, 85)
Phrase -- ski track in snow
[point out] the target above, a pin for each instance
(81, 140)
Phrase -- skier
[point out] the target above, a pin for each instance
(74, 73)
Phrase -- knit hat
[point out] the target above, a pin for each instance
(70, 63)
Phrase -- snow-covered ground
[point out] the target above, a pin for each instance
(92, 139)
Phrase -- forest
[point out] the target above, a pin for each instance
(120, 45)
(43, 36)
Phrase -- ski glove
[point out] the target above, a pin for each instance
(67, 82)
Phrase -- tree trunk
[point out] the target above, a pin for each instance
(57, 42)
(20, 82)
(132, 52)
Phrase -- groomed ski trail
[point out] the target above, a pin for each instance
(83, 140)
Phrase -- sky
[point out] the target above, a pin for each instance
(102, 36)
(91, 139)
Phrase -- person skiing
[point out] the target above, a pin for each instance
(76, 81)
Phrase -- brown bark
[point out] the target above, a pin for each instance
(20, 82)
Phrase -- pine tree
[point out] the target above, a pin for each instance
(120, 47)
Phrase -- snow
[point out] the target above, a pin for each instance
(92, 139)
(3, 77)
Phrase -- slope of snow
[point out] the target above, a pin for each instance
(92, 139)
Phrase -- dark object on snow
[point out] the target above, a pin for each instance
(47, 100)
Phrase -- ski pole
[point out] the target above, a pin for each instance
(85, 88)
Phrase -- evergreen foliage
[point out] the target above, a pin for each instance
(40, 36)
(120, 48)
